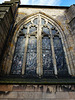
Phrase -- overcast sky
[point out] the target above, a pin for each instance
(46, 2)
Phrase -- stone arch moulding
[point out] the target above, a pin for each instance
(54, 23)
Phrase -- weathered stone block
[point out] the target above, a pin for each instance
(72, 95)
(63, 95)
(10, 95)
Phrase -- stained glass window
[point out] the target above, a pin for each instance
(47, 57)
(29, 23)
(45, 48)
(18, 56)
(49, 25)
(32, 29)
(35, 21)
(24, 30)
(31, 62)
(54, 32)
(42, 21)
(60, 57)
(46, 30)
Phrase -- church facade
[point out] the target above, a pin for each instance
(37, 51)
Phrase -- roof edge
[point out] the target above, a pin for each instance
(42, 6)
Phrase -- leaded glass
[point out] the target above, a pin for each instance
(46, 43)
(60, 57)
(31, 62)
(46, 30)
(35, 21)
(32, 29)
(54, 32)
(24, 30)
(49, 25)
(18, 56)
(32, 45)
(47, 57)
(50, 56)
(29, 23)
(42, 21)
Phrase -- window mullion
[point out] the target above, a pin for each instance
(24, 59)
(39, 48)
(53, 54)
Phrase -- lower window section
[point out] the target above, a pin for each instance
(31, 64)
(60, 57)
(18, 56)
(31, 58)
(48, 69)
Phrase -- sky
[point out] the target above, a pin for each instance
(46, 2)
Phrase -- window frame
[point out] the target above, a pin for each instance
(14, 79)
(39, 36)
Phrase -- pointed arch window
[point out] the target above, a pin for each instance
(39, 52)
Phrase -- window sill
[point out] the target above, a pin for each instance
(38, 81)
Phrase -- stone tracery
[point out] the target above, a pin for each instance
(45, 33)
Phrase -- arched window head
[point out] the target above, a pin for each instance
(39, 49)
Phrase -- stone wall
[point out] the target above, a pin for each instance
(6, 19)
(70, 13)
(37, 92)
(65, 17)
(8, 13)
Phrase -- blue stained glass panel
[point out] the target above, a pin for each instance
(49, 25)
(24, 30)
(46, 43)
(29, 23)
(31, 61)
(32, 29)
(46, 30)
(18, 56)
(60, 56)
(54, 32)
(35, 21)
(31, 64)
(48, 69)
(32, 44)
(42, 21)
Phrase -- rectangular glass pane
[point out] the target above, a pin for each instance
(60, 56)
(31, 60)
(48, 69)
(18, 56)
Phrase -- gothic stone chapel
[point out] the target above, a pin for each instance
(37, 52)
